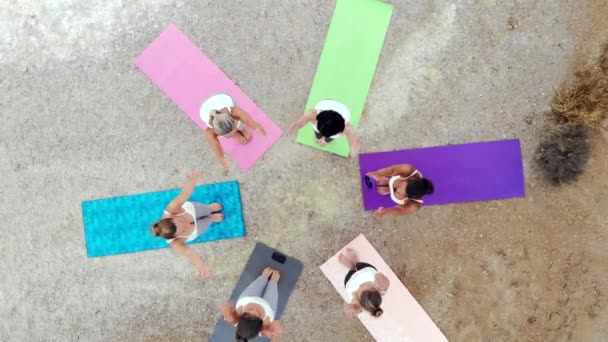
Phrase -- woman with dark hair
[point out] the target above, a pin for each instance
(364, 286)
(405, 185)
(184, 221)
(254, 312)
(330, 120)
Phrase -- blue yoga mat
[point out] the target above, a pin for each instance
(122, 224)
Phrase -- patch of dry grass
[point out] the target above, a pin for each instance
(585, 100)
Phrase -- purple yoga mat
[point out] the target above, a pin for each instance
(461, 173)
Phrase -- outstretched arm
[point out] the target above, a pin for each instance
(349, 131)
(399, 169)
(248, 120)
(309, 116)
(399, 210)
(175, 206)
(216, 147)
(180, 248)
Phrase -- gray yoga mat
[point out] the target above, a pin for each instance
(261, 257)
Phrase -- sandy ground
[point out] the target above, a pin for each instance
(80, 121)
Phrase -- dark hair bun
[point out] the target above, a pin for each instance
(430, 188)
(330, 123)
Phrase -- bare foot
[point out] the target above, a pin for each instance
(276, 275)
(217, 217)
(215, 207)
(321, 142)
(348, 258)
(383, 190)
(267, 272)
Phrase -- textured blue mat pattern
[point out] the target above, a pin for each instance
(122, 224)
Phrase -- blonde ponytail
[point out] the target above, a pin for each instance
(223, 123)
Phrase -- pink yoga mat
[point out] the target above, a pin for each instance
(404, 320)
(189, 77)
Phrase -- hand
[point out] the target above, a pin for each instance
(292, 129)
(275, 331)
(260, 130)
(373, 175)
(192, 176)
(204, 272)
(351, 310)
(379, 212)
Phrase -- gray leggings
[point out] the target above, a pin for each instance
(202, 217)
(256, 289)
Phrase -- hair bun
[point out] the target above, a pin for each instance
(430, 188)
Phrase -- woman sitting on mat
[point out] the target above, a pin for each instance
(364, 285)
(330, 120)
(232, 123)
(184, 221)
(255, 309)
(405, 185)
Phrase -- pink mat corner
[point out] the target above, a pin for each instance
(185, 74)
(404, 320)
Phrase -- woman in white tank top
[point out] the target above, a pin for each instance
(364, 286)
(254, 312)
(406, 187)
(330, 120)
(230, 123)
(184, 221)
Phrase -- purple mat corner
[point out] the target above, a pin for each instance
(461, 173)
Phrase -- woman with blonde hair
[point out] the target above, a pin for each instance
(184, 221)
(231, 123)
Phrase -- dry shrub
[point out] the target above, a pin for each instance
(585, 100)
(563, 153)
(604, 60)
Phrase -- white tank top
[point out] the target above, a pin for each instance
(188, 209)
(362, 276)
(391, 182)
(336, 106)
(257, 300)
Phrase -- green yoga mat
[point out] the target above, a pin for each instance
(348, 62)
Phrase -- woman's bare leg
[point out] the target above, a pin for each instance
(349, 258)
(382, 186)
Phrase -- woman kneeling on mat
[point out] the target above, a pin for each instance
(254, 312)
(330, 120)
(364, 285)
(405, 185)
(184, 221)
(229, 122)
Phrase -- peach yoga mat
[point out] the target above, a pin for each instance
(404, 320)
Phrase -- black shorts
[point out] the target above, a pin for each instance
(319, 136)
(358, 266)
